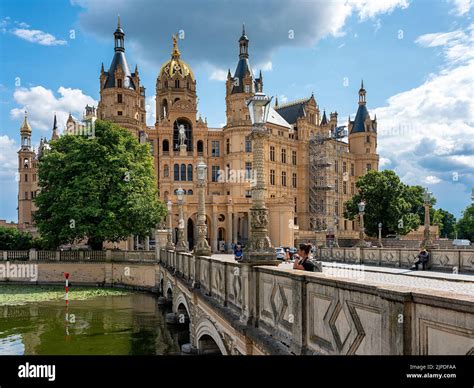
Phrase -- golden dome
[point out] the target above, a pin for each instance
(175, 64)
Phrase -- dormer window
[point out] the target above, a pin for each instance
(176, 83)
(119, 83)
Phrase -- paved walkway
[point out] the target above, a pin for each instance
(423, 280)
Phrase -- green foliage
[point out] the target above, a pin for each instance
(388, 200)
(101, 188)
(465, 225)
(13, 239)
(446, 222)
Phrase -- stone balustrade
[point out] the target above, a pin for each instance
(312, 313)
(452, 260)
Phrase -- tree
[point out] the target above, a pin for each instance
(465, 225)
(446, 222)
(388, 200)
(13, 239)
(99, 188)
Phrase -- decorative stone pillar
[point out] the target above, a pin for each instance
(235, 228)
(214, 231)
(229, 231)
(169, 243)
(181, 245)
(259, 247)
(202, 247)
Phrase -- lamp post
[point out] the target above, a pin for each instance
(169, 243)
(202, 247)
(336, 221)
(259, 247)
(380, 235)
(361, 242)
(181, 245)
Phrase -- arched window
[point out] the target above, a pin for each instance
(227, 146)
(200, 146)
(166, 171)
(190, 172)
(166, 146)
(25, 163)
(183, 172)
(187, 131)
(176, 99)
(176, 172)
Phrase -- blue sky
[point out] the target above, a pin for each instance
(415, 57)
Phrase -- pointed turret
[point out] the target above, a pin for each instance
(25, 132)
(243, 70)
(362, 100)
(55, 129)
(324, 120)
(276, 102)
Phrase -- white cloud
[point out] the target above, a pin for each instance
(8, 158)
(428, 131)
(38, 36)
(431, 180)
(150, 107)
(461, 7)
(282, 99)
(218, 75)
(384, 162)
(266, 66)
(371, 8)
(41, 104)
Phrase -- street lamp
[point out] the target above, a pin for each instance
(202, 247)
(361, 242)
(259, 247)
(169, 244)
(181, 244)
(380, 235)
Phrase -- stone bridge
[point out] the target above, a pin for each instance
(238, 308)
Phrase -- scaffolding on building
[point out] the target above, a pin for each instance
(323, 153)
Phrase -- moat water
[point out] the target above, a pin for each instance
(128, 324)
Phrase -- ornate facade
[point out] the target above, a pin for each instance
(227, 151)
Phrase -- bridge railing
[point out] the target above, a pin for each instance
(314, 313)
(451, 260)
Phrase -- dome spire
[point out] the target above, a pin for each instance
(175, 54)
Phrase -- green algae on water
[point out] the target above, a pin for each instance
(11, 295)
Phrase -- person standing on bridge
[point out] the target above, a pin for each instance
(238, 252)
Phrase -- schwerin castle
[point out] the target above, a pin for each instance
(307, 185)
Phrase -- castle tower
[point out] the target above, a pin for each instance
(122, 98)
(363, 137)
(176, 100)
(241, 86)
(27, 174)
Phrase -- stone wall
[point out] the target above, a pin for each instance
(460, 260)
